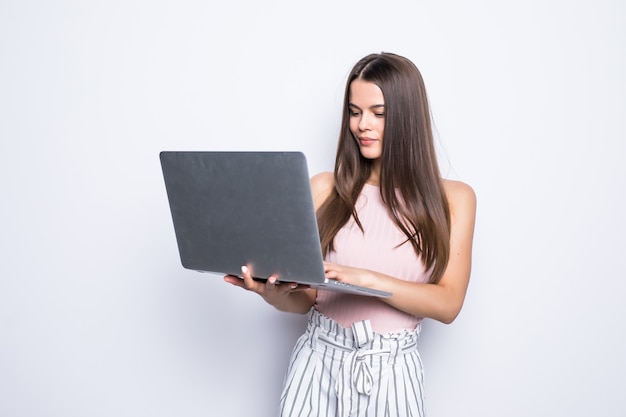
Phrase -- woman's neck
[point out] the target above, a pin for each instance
(374, 178)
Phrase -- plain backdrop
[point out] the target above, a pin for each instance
(97, 316)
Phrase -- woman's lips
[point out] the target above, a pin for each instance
(367, 141)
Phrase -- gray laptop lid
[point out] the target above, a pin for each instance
(246, 208)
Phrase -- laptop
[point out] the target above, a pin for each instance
(247, 208)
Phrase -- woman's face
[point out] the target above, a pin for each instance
(367, 117)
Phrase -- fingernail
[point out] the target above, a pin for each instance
(244, 269)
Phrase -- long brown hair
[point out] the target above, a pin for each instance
(410, 181)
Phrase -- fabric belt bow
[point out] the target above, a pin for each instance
(356, 375)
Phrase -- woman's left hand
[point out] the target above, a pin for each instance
(349, 275)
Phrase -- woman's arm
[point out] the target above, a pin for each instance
(441, 301)
(287, 296)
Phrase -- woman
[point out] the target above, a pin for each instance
(387, 220)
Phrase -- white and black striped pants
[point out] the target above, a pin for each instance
(336, 371)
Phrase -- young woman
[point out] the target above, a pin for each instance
(387, 220)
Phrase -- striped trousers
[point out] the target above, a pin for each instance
(349, 372)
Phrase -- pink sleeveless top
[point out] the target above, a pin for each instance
(377, 250)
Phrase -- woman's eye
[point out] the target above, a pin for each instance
(354, 113)
(380, 114)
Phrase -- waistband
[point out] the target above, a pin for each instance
(359, 337)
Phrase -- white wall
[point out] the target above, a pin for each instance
(98, 318)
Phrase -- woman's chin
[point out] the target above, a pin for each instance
(370, 153)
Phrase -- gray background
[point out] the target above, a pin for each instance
(98, 318)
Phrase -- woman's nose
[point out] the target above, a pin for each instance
(364, 123)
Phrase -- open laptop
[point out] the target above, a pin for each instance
(247, 208)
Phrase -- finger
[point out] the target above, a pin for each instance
(328, 267)
(331, 273)
(234, 280)
(248, 281)
(293, 287)
(272, 283)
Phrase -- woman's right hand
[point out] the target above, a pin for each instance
(285, 296)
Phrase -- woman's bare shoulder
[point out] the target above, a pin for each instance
(459, 194)
(322, 185)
